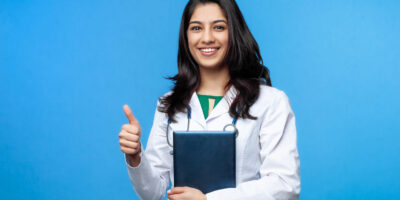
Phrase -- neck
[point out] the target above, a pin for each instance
(213, 81)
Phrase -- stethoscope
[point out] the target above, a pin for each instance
(189, 116)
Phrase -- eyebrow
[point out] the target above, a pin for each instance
(214, 22)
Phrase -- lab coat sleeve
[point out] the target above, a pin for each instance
(150, 179)
(279, 171)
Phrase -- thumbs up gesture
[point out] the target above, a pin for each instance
(129, 138)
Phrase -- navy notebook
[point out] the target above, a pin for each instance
(204, 160)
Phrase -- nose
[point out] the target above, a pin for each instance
(208, 36)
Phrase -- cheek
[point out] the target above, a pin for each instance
(192, 50)
(192, 40)
(224, 39)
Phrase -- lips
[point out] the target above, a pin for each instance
(208, 51)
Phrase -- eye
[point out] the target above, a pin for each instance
(195, 28)
(219, 28)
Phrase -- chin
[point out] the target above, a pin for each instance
(209, 65)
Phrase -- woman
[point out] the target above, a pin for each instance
(220, 77)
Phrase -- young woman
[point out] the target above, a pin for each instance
(220, 77)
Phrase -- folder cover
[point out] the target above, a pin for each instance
(204, 160)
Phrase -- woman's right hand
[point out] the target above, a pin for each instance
(129, 138)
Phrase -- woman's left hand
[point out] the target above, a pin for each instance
(186, 193)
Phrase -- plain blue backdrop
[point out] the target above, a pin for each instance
(67, 68)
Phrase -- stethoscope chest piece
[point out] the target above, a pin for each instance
(231, 127)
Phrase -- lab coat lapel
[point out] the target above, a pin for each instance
(224, 105)
(197, 111)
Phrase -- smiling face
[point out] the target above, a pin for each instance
(208, 36)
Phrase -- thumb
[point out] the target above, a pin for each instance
(129, 115)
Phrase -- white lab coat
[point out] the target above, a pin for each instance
(267, 160)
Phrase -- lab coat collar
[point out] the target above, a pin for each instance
(221, 108)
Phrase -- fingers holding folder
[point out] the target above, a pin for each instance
(185, 193)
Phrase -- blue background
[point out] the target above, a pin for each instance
(67, 67)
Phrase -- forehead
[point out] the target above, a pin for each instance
(207, 12)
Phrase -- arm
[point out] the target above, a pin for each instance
(280, 176)
(150, 178)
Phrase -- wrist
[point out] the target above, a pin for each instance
(134, 159)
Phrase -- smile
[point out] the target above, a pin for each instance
(208, 51)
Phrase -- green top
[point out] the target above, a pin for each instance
(204, 100)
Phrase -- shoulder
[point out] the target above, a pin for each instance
(163, 97)
(271, 98)
(160, 112)
(166, 94)
(268, 93)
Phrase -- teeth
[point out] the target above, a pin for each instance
(208, 50)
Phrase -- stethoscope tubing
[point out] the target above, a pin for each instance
(189, 116)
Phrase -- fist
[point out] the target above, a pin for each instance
(129, 137)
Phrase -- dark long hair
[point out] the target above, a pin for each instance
(244, 60)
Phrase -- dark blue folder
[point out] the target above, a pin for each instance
(204, 160)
